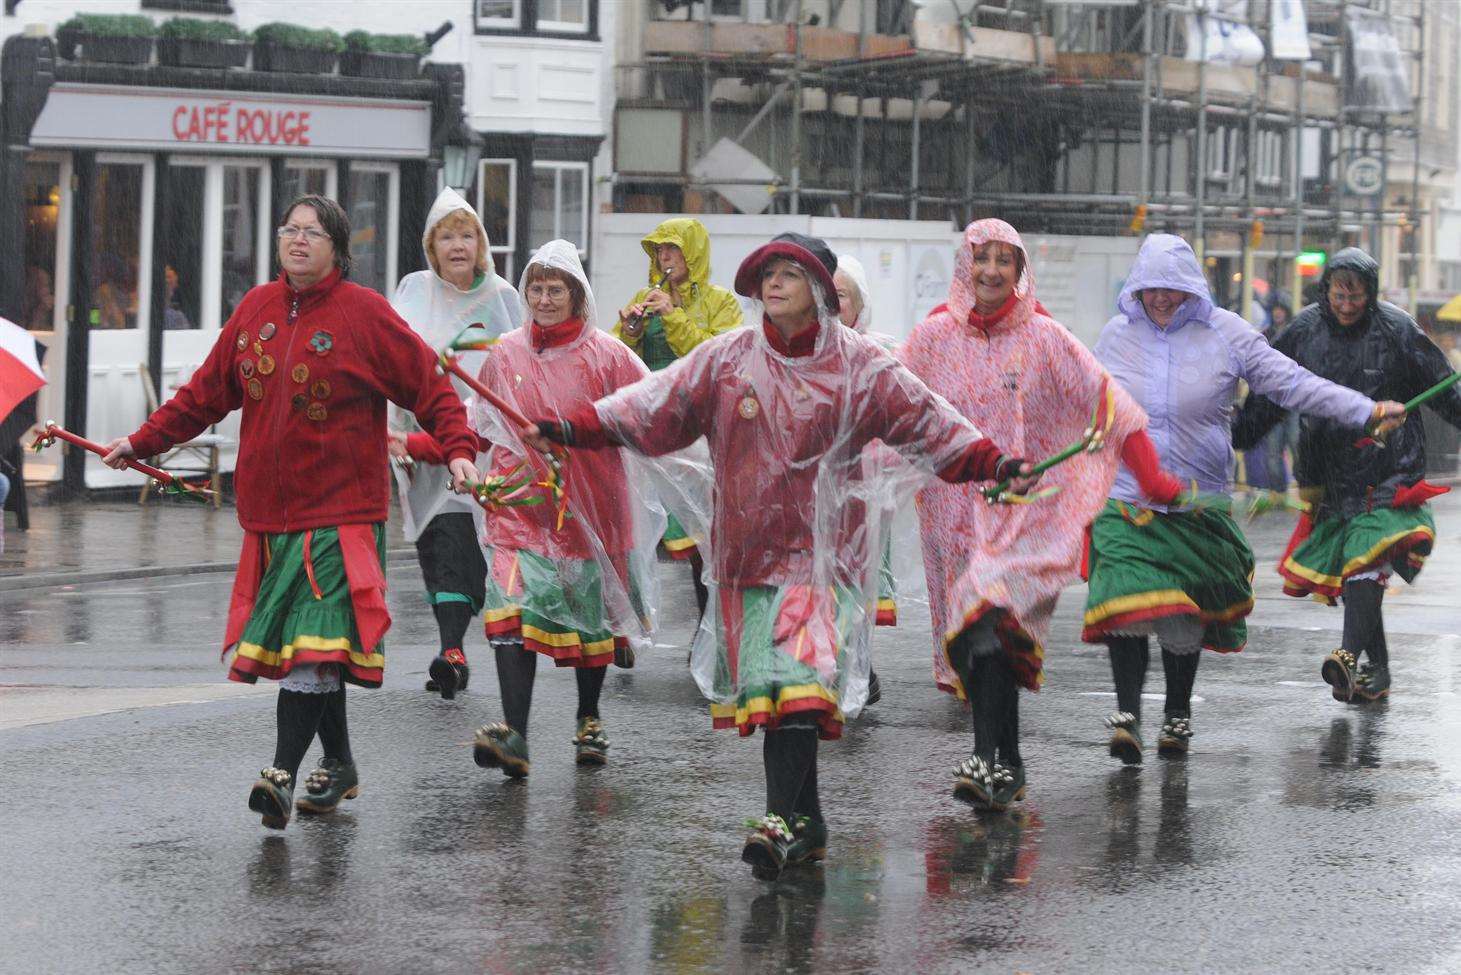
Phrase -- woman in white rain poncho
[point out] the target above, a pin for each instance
(787, 409)
(576, 587)
(459, 289)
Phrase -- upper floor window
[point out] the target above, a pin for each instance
(538, 16)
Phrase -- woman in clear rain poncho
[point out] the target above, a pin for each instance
(995, 571)
(1184, 573)
(460, 288)
(787, 410)
(577, 586)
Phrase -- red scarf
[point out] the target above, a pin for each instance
(800, 345)
(552, 336)
(986, 322)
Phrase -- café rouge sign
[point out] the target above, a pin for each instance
(223, 121)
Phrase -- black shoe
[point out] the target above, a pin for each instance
(1175, 736)
(765, 848)
(1009, 786)
(1372, 683)
(590, 744)
(498, 746)
(444, 675)
(874, 689)
(974, 782)
(1125, 737)
(272, 797)
(1338, 673)
(327, 785)
(809, 841)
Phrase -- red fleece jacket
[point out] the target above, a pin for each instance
(312, 371)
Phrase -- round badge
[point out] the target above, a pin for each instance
(317, 412)
(243, 341)
(298, 401)
(246, 368)
(267, 332)
(266, 365)
(321, 389)
(749, 408)
(256, 388)
(300, 373)
(258, 348)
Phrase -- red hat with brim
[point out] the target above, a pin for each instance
(792, 247)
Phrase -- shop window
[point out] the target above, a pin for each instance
(182, 247)
(42, 189)
(370, 228)
(497, 205)
(305, 181)
(115, 241)
(240, 234)
(559, 204)
(537, 17)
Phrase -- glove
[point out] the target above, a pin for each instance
(560, 432)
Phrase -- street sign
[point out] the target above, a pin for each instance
(1364, 176)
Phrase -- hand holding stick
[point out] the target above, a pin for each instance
(161, 479)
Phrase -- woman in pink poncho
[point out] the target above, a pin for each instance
(995, 571)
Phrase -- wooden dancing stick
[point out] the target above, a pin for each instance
(170, 483)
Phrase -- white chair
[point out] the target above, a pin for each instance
(198, 456)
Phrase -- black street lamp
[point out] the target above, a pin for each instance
(461, 150)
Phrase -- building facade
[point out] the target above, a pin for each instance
(141, 197)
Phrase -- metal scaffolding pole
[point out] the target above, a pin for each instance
(1199, 243)
(1298, 281)
(796, 113)
(1146, 102)
(913, 163)
(1414, 277)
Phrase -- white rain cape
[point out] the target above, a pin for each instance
(793, 539)
(437, 310)
(596, 572)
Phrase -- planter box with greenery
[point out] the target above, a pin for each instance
(289, 47)
(187, 42)
(394, 56)
(111, 38)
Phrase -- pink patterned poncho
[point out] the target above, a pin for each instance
(1030, 386)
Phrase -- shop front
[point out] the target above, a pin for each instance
(142, 204)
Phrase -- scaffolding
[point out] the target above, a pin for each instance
(1060, 116)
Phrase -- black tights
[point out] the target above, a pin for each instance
(516, 671)
(790, 755)
(994, 697)
(1364, 626)
(298, 717)
(452, 620)
(702, 594)
(1130, 656)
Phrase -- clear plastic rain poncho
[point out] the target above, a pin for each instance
(793, 536)
(600, 573)
(438, 310)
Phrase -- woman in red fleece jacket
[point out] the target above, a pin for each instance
(311, 359)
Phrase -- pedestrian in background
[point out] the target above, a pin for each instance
(312, 360)
(459, 288)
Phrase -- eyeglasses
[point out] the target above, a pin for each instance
(311, 234)
(1347, 298)
(554, 293)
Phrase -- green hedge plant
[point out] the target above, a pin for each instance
(110, 25)
(360, 40)
(293, 35)
(193, 29)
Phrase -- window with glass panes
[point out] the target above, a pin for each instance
(497, 205)
(559, 204)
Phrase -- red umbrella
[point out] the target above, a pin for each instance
(20, 370)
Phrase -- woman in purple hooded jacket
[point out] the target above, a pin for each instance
(1179, 572)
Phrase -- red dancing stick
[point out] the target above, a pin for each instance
(162, 477)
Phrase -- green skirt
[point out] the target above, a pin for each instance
(555, 606)
(1144, 565)
(782, 652)
(1322, 555)
(678, 544)
(303, 613)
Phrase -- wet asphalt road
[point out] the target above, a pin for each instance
(1300, 835)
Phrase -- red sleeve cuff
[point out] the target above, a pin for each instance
(978, 463)
(1139, 455)
(146, 442)
(425, 448)
(588, 432)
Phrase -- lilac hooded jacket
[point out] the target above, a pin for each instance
(1186, 375)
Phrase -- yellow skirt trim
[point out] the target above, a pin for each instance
(270, 658)
(547, 639)
(678, 544)
(764, 704)
(501, 613)
(1163, 597)
(1360, 561)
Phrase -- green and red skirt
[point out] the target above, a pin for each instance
(1323, 554)
(293, 597)
(1144, 565)
(677, 542)
(782, 650)
(554, 606)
